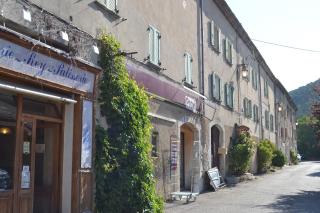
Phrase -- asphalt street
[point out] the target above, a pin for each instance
(292, 189)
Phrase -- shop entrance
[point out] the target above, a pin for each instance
(39, 167)
(30, 171)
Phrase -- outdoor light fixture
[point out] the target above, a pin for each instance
(279, 108)
(64, 36)
(26, 15)
(244, 70)
(95, 49)
(5, 131)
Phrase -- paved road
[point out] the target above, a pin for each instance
(294, 189)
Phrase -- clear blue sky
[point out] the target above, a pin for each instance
(289, 22)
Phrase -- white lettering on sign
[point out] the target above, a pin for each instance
(28, 62)
(191, 104)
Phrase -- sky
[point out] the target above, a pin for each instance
(288, 22)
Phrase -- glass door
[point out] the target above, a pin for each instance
(26, 167)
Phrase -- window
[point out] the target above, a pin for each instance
(281, 133)
(109, 4)
(215, 35)
(188, 68)
(266, 118)
(8, 105)
(285, 133)
(254, 75)
(247, 108)
(154, 46)
(216, 87)
(271, 123)
(228, 48)
(228, 91)
(255, 113)
(154, 142)
(266, 88)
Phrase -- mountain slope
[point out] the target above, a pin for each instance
(304, 97)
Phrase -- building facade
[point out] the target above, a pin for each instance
(204, 75)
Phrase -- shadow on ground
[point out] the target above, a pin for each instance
(315, 174)
(304, 201)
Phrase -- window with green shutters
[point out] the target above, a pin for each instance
(111, 5)
(154, 46)
(215, 37)
(266, 119)
(228, 48)
(188, 68)
(229, 95)
(216, 87)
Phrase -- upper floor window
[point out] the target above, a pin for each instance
(255, 113)
(229, 95)
(271, 123)
(266, 119)
(216, 87)
(254, 75)
(111, 5)
(154, 46)
(266, 88)
(215, 35)
(154, 142)
(228, 48)
(247, 108)
(188, 68)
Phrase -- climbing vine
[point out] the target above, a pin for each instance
(124, 170)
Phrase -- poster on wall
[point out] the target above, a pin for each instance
(86, 147)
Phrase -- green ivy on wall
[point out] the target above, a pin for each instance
(124, 170)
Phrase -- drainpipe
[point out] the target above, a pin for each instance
(202, 50)
(260, 103)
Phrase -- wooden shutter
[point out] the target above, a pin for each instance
(212, 81)
(157, 49)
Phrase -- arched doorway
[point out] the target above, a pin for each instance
(215, 141)
(187, 135)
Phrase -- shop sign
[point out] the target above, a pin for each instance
(29, 62)
(191, 104)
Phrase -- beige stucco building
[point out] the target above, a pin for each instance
(190, 56)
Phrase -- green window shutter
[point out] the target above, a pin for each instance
(212, 35)
(151, 44)
(219, 41)
(226, 94)
(245, 107)
(225, 48)
(186, 66)
(231, 53)
(158, 38)
(213, 86)
(218, 87)
(231, 96)
(250, 108)
(190, 69)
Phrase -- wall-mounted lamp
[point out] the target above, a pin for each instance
(244, 70)
(279, 108)
(5, 130)
(26, 15)
(96, 49)
(64, 36)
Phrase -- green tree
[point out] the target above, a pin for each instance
(308, 145)
(124, 170)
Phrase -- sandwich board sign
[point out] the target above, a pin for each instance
(216, 180)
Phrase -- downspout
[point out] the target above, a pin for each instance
(260, 104)
(202, 51)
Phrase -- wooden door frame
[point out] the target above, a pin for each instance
(21, 117)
